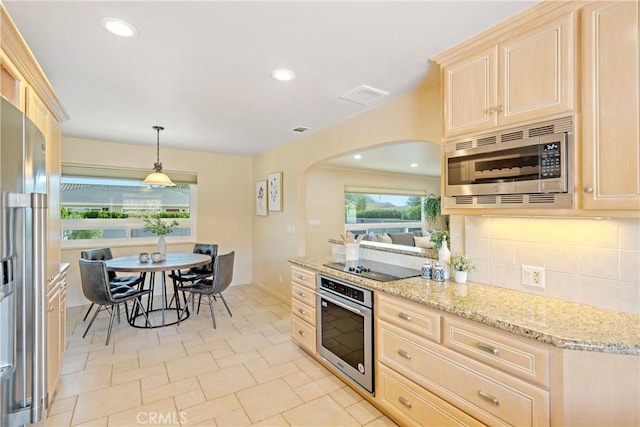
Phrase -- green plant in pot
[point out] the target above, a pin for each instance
(155, 225)
(436, 238)
(461, 265)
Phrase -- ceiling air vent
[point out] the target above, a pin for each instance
(300, 129)
(363, 94)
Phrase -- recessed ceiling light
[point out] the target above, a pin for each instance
(283, 74)
(413, 165)
(118, 27)
(357, 156)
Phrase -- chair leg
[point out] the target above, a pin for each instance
(138, 303)
(225, 304)
(213, 316)
(88, 311)
(199, 301)
(91, 322)
(113, 312)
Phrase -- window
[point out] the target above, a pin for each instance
(368, 212)
(111, 210)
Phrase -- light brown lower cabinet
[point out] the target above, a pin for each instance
(470, 374)
(414, 405)
(303, 308)
(56, 331)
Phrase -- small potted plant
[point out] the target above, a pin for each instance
(461, 265)
(155, 225)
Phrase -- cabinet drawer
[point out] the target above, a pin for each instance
(303, 277)
(409, 315)
(303, 311)
(303, 294)
(415, 405)
(304, 334)
(485, 393)
(510, 354)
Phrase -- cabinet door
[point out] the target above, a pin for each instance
(53, 161)
(536, 73)
(470, 93)
(611, 124)
(63, 319)
(53, 341)
(37, 111)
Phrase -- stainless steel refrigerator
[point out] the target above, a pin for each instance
(23, 184)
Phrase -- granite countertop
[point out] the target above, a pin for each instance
(552, 321)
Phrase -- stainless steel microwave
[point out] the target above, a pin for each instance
(534, 168)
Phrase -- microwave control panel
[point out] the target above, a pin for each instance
(550, 160)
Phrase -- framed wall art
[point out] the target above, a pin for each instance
(261, 198)
(275, 191)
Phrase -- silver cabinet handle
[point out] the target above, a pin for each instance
(301, 333)
(300, 276)
(404, 354)
(500, 108)
(302, 294)
(490, 398)
(488, 348)
(588, 190)
(404, 401)
(301, 311)
(404, 316)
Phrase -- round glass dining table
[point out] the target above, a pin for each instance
(173, 262)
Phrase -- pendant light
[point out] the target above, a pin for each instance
(158, 177)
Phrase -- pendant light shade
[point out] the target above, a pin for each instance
(157, 177)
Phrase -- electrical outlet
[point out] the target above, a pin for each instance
(533, 276)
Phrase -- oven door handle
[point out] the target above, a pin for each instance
(343, 305)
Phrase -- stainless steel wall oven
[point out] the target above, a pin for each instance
(345, 329)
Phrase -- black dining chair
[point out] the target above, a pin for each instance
(104, 254)
(188, 277)
(213, 287)
(97, 288)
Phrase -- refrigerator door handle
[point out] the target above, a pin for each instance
(39, 357)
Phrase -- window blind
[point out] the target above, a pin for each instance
(93, 171)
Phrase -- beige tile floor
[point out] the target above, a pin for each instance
(247, 372)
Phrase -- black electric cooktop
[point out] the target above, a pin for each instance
(374, 270)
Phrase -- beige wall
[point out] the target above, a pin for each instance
(282, 235)
(224, 199)
(325, 199)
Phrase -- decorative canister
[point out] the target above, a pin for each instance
(426, 270)
(437, 273)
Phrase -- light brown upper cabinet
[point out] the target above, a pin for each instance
(505, 80)
(610, 106)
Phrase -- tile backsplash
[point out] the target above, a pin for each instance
(589, 261)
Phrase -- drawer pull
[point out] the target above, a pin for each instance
(301, 277)
(404, 401)
(301, 311)
(301, 333)
(489, 397)
(488, 348)
(404, 354)
(302, 294)
(404, 316)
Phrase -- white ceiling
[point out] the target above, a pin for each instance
(203, 69)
